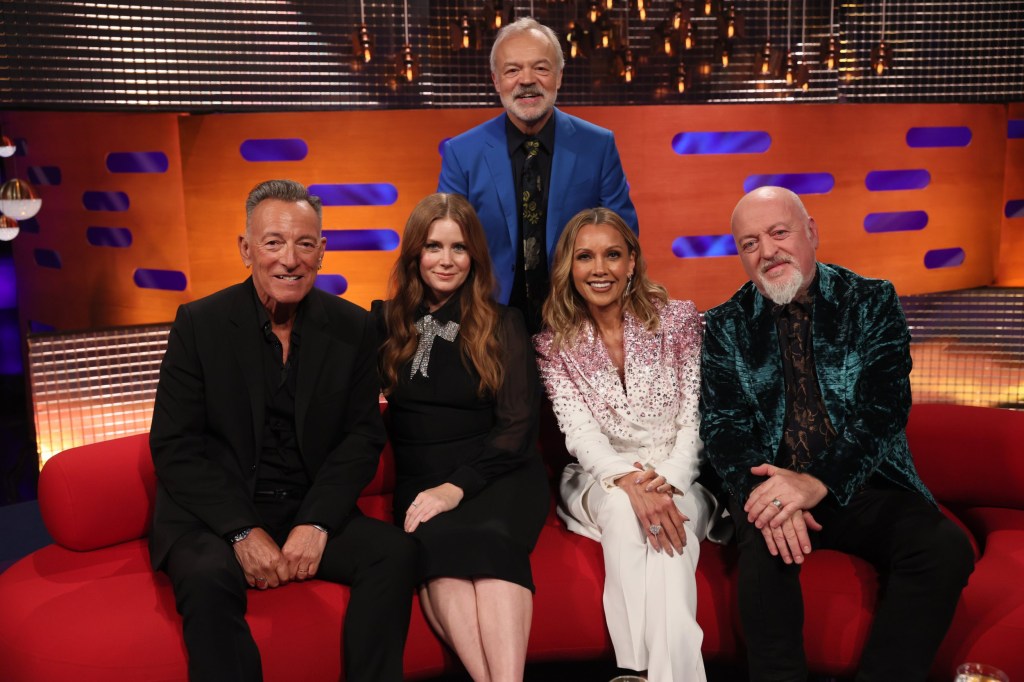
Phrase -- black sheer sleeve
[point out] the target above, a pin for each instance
(512, 439)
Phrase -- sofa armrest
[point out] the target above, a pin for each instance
(100, 494)
(969, 456)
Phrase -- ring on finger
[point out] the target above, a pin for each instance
(777, 503)
(654, 529)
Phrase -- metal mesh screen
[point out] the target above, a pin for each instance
(235, 55)
(968, 347)
(94, 385)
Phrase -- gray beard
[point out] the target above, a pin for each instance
(782, 293)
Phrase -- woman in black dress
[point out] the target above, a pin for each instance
(461, 382)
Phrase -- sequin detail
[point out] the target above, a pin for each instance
(429, 329)
(653, 419)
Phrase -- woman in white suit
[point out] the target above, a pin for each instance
(621, 363)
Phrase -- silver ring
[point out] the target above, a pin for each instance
(414, 504)
(777, 502)
(261, 580)
(655, 529)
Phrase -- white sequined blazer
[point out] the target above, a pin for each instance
(654, 420)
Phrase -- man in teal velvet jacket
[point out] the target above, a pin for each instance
(804, 398)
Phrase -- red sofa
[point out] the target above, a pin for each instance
(90, 608)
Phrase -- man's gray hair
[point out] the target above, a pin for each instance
(284, 190)
(521, 26)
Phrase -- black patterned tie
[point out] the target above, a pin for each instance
(533, 224)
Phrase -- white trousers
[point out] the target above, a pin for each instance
(650, 598)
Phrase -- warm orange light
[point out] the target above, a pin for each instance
(688, 41)
(707, 8)
(605, 39)
(668, 44)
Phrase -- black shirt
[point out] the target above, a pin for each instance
(281, 466)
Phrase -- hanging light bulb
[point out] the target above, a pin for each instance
(593, 12)
(881, 57)
(677, 20)
(708, 8)
(666, 44)
(690, 39)
(764, 59)
(9, 228)
(408, 64)
(803, 77)
(831, 52)
(681, 78)
(641, 10)
(407, 69)
(830, 47)
(499, 9)
(363, 42)
(464, 31)
(18, 200)
(573, 40)
(628, 70)
(730, 26)
(724, 51)
(790, 69)
(606, 38)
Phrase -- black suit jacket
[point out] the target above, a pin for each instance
(206, 436)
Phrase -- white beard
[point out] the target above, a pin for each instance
(782, 293)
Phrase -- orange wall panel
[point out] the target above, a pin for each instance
(187, 219)
(1011, 251)
(95, 285)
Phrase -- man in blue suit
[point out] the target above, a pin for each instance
(804, 400)
(531, 169)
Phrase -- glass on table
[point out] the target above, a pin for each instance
(980, 672)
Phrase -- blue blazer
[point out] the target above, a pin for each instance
(585, 172)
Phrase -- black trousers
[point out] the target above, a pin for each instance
(376, 559)
(923, 560)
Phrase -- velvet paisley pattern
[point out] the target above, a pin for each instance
(861, 348)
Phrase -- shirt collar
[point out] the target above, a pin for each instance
(451, 310)
(516, 137)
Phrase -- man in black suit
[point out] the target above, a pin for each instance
(265, 430)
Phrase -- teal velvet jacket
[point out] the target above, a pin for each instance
(861, 347)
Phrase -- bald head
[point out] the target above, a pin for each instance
(776, 241)
(770, 194)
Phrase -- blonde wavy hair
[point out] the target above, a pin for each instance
(565, 311)
(478, 339)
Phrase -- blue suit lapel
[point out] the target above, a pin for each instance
(500, 166)
(563, 170)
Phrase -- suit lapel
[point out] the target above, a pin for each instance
(500, 166)
(245, 329)
(563, 171)
(313, 353)
(767, 383)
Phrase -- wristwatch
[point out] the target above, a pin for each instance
(241, 535)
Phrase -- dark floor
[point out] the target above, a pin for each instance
(19, 467)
